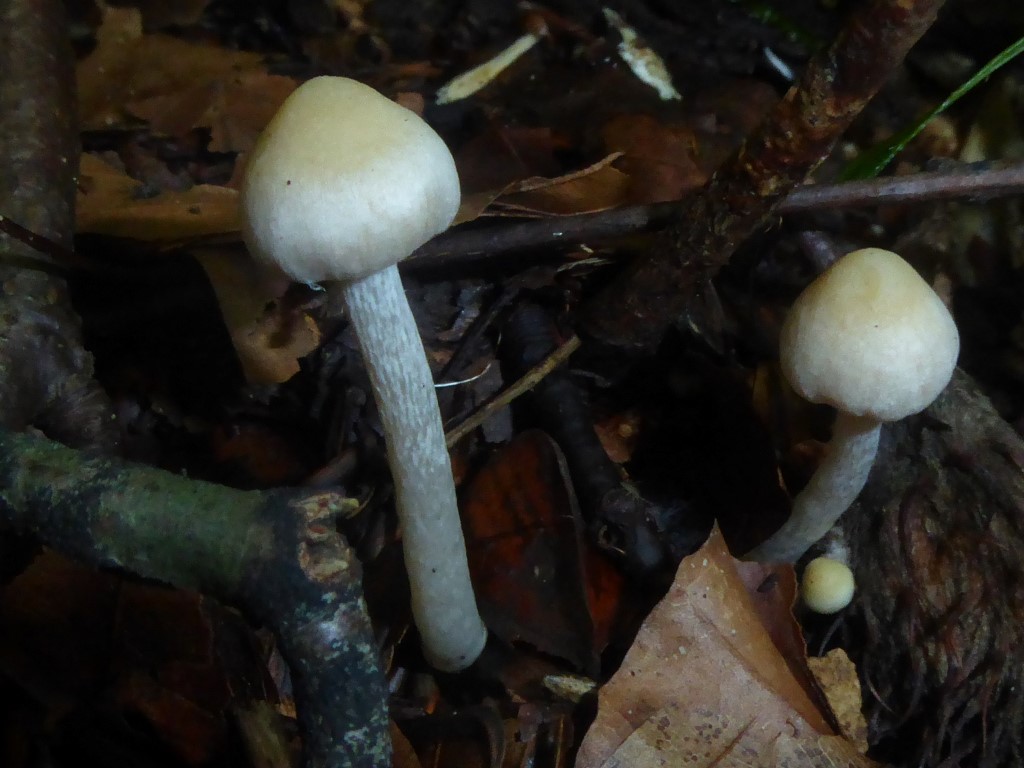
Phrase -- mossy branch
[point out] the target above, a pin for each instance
(275, 555)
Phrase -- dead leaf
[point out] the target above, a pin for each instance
(268, 338)
(103, 75)
(704, 685)
(659, 158)
(195, 734)
(111, 203)
(700, 738)
(837, 676)
(404, 755)
(504, 154)
(527, 557)
(175, 84)
(773, 588)
(235, 108)
(595, 188)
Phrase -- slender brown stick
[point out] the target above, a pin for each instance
(979, 181)
(986, 180)
(634, 311)
(521, 386)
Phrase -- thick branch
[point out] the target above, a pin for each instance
(45, 373)
(276, 555)
(739, 199)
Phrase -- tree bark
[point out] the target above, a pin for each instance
(45, 372)
(937, 544)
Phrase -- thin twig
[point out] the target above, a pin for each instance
(979, 181)
(520, 387)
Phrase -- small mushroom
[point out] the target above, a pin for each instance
(827, 585)
(342, 185)
(871, 338)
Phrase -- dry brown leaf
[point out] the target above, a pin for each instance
(268, 339)
(595, 188)
(103, 75)
(659, 158)
(837, 676)
(175, 84)
(235, 108)
(773, 589)
(700, 738)
(704, 685)
(523, 531)
(109, 202)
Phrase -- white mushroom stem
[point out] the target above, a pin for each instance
(443, 605)
(829, 493)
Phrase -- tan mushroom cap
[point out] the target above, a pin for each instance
(344, 182)
(870, 337)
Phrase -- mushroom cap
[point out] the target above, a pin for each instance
(870, 337)
(344, 182)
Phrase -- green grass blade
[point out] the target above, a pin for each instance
(874, 160)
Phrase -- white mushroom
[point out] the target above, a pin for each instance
(872, 339)
(343, 184)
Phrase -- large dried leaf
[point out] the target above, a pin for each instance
(269, 338)
(530, 567)
(595, 188)
(838, 678)
(659, 158)
(703, 685)
(109, 202)
(175, 84)
(235, 108)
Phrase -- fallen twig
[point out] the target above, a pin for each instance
(979, 181)
(516, 389)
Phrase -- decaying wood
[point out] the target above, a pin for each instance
(937, 539)
(636, 309)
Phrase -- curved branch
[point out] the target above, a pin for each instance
(276, 555)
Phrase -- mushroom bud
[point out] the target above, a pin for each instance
(870, 337)
(342, 185)
(827, 585)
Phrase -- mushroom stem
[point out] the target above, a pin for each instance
(830, 491)
(452, 632)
